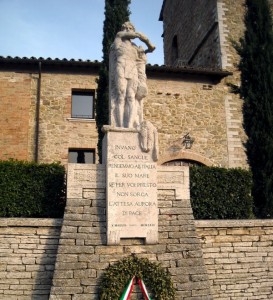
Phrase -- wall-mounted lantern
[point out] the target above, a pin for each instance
(187, 141)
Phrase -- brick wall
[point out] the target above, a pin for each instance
(58, 132)
(14, 121)
(27, 257)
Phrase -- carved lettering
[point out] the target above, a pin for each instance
(123, 147)
(142, 175)
(88, 175)
(142, 157)
(134, 213)
(127, 175)
(141, 184)
(138, 194)
(122, 194)
(131, 189)
(133, 166)
(117, 184)
(131, 203)
(118, 156)
(170, 177)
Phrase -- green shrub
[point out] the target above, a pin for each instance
(38, 190)
(117, 275)
(31, 190)
(218, 193)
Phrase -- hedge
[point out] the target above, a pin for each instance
(31, 190)
(218, 193)
(38, 190)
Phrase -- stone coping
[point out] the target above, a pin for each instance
(43, 222)
(106, 128)
(234, 223)
(30, 222)
(81, 120)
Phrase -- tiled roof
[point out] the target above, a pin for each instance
(17, 59)
(42, 59)
(49, 63)
(161, 11)
(188, 70)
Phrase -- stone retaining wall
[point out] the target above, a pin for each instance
(83, 254)
(238, 256)
(28, 250)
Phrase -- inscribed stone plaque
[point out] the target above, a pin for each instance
(174, 178)
(131, 187)
(82, 176)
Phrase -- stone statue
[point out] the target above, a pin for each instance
(149, 139)
(127, 75)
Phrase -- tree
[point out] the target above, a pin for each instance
(256, 90)
(116, 13)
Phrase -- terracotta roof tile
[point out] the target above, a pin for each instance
(8, 60)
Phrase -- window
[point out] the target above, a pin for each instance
(82, 104)
(174, 50)
(81, 156)
(183, 162)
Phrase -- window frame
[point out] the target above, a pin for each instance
(83, 150)
(83, 92)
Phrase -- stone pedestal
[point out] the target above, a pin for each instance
(131, 187)
(83, 253)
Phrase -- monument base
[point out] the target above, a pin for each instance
(83, 253)
(131, 187)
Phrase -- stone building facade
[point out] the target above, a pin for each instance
(189, 94)
(179, 101)
(191, 33)
(37, 106)
(200, 34)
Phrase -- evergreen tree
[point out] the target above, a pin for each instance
(116, 13)
(256, 66)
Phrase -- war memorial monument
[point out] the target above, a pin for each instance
(128, 205)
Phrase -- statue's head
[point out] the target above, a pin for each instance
(127, 26)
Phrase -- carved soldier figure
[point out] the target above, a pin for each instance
(127, 77)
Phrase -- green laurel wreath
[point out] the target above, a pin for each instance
(117, 276)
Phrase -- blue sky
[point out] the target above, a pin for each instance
(69, 28)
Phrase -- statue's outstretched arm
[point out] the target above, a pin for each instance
(145, 40)
(127, 35)
(141, 36)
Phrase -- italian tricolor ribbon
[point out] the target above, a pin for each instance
(129, 288)
(143, 289)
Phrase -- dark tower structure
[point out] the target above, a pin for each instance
(191, 33)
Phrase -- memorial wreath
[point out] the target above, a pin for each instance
(118, 280)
